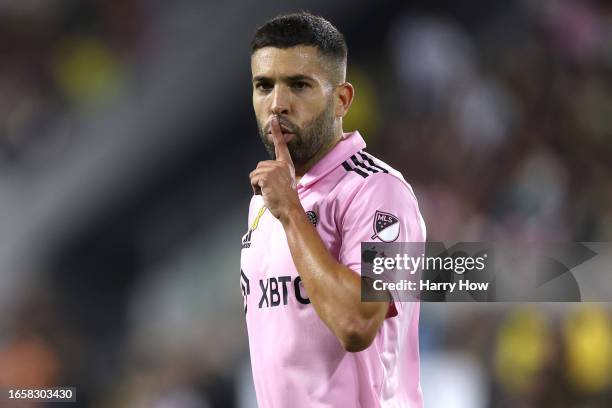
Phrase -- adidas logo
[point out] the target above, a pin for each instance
(246, 239)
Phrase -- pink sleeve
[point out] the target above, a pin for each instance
(383, 209)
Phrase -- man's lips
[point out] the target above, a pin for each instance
(284, 129)
(288, 134)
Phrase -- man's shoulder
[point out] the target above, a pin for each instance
(363, 170)
(378, 190)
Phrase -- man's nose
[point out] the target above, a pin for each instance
(280, 101)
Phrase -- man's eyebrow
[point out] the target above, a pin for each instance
(260, 78)
(295, 78)
(291, 78)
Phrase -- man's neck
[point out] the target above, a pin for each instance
(301, 169)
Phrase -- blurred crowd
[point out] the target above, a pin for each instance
(60, 58)
(503, 128)
(506, 133)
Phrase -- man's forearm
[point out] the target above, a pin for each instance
(334, 289)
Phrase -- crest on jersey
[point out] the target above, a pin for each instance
(386, 227)
(312, 217)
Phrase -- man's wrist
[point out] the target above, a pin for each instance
(292, 215)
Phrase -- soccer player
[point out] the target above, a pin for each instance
(312, 342)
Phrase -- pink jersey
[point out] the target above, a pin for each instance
(297, 361)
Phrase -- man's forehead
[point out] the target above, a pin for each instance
(298, 60)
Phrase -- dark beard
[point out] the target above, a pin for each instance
(307, 141)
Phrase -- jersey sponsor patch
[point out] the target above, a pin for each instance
(272, 295)
(386, 227)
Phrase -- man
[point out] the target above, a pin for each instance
(313, 343)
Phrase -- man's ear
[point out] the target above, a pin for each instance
(344, 97)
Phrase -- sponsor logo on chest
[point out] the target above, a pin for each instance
(275, 291)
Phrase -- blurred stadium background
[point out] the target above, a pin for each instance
(127, 135)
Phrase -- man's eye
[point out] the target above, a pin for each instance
(263, 86)
(300, 85)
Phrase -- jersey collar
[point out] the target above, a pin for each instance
(351, 143)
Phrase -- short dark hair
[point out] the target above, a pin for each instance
(303, 28)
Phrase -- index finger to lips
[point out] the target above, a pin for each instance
(280, 146)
